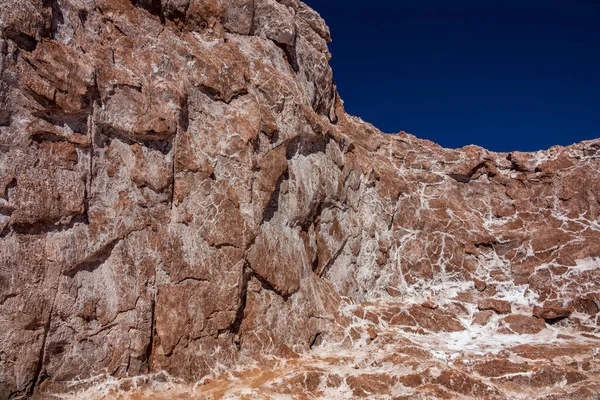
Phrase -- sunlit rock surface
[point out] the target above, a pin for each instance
(187, 210)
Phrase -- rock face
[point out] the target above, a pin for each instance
(181, 190)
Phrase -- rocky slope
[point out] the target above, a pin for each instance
(182, 191)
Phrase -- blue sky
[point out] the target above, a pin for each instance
(503, 74)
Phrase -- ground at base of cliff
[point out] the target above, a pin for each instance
(399, 349)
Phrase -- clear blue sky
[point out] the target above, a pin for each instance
(503, 74)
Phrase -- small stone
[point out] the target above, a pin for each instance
(430, 304)
(524, 324)
(479, 284)
(482, 317)
(372, 332)
(497, 305)
(552, 310)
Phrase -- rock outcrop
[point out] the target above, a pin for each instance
(181, 190)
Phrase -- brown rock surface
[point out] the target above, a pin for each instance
(480, 285)
(524, 324)
(552, 310)
(483, 317)
(497, 305)
(181, 190)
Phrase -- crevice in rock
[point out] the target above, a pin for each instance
(315, 213)
(462, 178)
(104, 328)
(37, 377)
(154, 7)
(554, 321)
(224, 246)
(172, 201)
(91, 133)
(5, 232)
(191, 279)
(266, 285)
(5, 297)
(123, 86)
(475, 169)
(57, 18)
(235, 327)
(162, 145)
(150, 347)
(78, 123)
(179, 15)
(184, 114)
(86, 203)
(173, 175)
(183, 126)
(306, 228)
(329, 264)
(11, 185)
(92, 97)
(94, 261)
(44, 227)
(274, 138)
(307, 145)
(273, 204)
(83, 16)
(44, 136)
(42, 101)
(289, 51)
(215, 95)
(169, 353)
(515, 165)
(395, 212)
(23, 41)
(316, 340)
(486, 245)
(591, 151)
(253, 23)
(5, 116)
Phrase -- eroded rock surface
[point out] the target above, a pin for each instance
(182, 191)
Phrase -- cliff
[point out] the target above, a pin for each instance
(181, 190)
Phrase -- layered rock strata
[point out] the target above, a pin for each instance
(181, 190)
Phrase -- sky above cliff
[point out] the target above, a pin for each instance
(506, 75)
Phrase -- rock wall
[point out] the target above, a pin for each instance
(181, 189)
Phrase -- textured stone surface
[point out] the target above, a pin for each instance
(181, 190)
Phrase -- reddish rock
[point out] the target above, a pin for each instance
(552, 310)
(430, 304)
(490, 290)
(548, 376)
(364, 385)
(180, 185)
(461, 383)
(589, 303)
(483, 317)
(479, 284)
(434, 320)
(524, 324)
(497, 305)
(372, 333)
(499, 367)
(412, 380)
